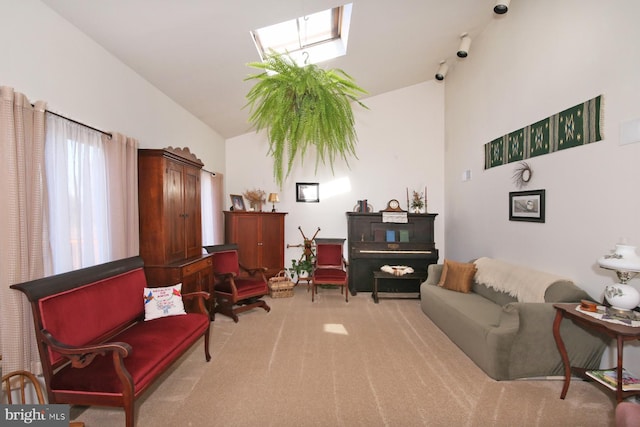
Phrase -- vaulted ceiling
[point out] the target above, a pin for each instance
(196, 51)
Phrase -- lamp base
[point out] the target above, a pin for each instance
(622, 296)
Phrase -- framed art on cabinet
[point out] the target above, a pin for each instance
(237, 202)
(308, 192)
(527, 206)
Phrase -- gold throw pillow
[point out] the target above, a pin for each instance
(457, 276)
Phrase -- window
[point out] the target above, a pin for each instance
(308, 39)
(78, 202)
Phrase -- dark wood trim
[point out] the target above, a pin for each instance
(46, 286)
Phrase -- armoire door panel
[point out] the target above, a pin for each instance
(173, 211)
(192, 216)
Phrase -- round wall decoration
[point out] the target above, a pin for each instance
(522, 175)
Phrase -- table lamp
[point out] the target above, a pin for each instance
(273, 199)
(626, 263)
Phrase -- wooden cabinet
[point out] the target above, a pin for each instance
(259, 236)
(195, 273)
(170, 219)
(373, 242)
(169, 203)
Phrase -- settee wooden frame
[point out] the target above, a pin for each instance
(106, 344)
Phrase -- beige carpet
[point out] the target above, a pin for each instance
(332, 363)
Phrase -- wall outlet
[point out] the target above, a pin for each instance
(466, 175)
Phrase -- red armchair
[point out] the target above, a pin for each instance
(237, 288)
(330, 266)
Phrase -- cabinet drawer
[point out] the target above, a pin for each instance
(203, 264)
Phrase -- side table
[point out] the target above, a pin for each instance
(417, 275)
(620, 333)
(306, 279)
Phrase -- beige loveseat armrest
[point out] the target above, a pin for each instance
(434, 271)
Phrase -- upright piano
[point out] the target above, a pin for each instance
(374, 242)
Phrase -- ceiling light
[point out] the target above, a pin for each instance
(501, 7)
(465, 43)
(442, 71)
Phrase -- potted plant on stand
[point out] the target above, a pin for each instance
(302, 107)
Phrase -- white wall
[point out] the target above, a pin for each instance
(400, 145)
(537, 60)
(45, 57)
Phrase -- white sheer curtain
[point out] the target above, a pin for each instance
(76, 175)
(211, 200)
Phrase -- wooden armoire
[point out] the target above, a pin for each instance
(170, 219)
(259, 236)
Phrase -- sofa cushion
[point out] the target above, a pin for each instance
(474, 324)
(457, 276)
(156, 344)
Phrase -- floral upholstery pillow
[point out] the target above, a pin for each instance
(162, 302)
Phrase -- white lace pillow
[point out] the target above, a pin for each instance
(162, 302)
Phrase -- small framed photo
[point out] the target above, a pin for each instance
(526, 206)
(308, 192)
(237, 202)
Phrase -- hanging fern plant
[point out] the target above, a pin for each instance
(303, 107)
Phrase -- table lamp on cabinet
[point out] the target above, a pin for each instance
(626, 263)
(273, 199)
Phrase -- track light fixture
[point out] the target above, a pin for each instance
(442, 71)
(465, 43)
(501, 7)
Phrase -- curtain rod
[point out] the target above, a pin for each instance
(80, 123)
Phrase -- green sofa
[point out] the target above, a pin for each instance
(508, 339)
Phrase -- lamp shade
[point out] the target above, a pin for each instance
(273, 198)
(624, 258)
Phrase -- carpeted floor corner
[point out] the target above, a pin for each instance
(332, 363)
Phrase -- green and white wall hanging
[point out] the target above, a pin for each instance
(575, 126)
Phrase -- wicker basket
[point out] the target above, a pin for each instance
(281, 286)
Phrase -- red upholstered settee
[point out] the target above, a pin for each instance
(95, 347)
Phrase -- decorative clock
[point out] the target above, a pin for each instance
(393, 206)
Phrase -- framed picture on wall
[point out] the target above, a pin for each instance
(237, 202)
(308, 192)
(527, 206)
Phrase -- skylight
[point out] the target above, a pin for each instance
(308, 39)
